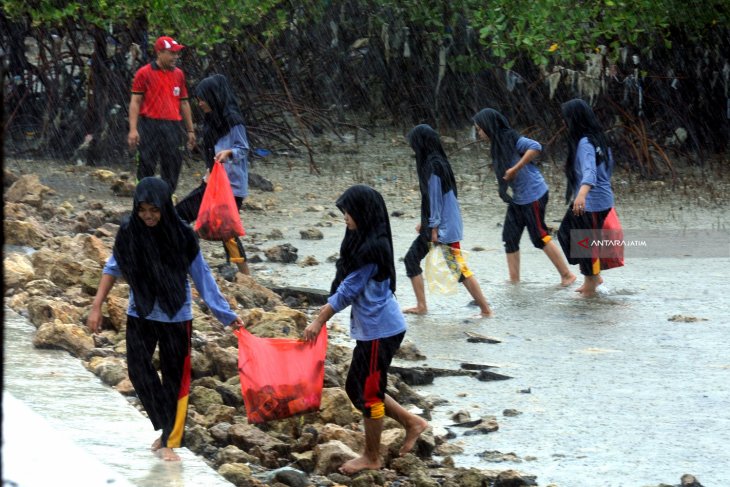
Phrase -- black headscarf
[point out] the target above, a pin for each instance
(372, 242)
(430, 159)
(155, 260)
(581, 122)
(504, 144)
(224, 114)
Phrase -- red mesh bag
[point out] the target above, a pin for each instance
(280, 377)
(218, 217)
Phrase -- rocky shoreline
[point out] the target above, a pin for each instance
(53, 286)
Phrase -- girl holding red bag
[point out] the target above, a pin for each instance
(224, 141)
(588, 168)
(365, 279)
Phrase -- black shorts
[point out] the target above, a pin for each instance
(532, 216)
(590, 220)
(367, 378)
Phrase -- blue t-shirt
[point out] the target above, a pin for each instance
(375, 312)
(237, 165)
(204, 283)
(600, 197)
(445, 212)
(528, 185)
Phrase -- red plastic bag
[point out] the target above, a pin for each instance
(613, 256)
(280, 377)
(218, 217)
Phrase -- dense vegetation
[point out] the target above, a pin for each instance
(657, 71)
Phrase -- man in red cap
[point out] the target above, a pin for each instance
(159, 102)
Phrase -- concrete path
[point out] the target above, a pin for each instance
(63, 426)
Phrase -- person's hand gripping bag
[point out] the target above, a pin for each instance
(442, 274)
(218, 217)
(280, 377)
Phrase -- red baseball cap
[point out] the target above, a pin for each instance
(167, 43)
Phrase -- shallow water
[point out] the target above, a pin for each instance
(619, 395)
(78, 408)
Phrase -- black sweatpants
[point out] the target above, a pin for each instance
(165, 400)
(160, 141)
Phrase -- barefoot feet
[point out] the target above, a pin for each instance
(590, 283)
(413, 430)
(168, 455)
(157, 444)
(416, 310)
(360, 463)
(567, 279)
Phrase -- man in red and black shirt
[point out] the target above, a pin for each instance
(159, 102)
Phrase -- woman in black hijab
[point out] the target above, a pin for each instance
(371, 242)
(154, 251)
(441, 222)
(224, 141)
(365, 279)
(588, 169)
(504, 145)
(512, 156)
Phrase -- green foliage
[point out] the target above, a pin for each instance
(199, 23)
(563, 31)
(545, 31)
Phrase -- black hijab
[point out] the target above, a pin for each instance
(224, 114)
(504, 144)
(155, 260)
(430, 159)
(581, 122)
(371, 242)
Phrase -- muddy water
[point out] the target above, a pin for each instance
(618, 394)
(611, 393)
(90, 434)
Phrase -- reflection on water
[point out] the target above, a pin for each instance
(619, 395)
(96, 418)
(172, 472)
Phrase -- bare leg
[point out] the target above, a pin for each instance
(243, 268)
(168, 454)
(590, 283)
(414, 425)
(419, 289)
(471, 285)
(513, 264)
(370, 459)
(556, 257)
(235, 256)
